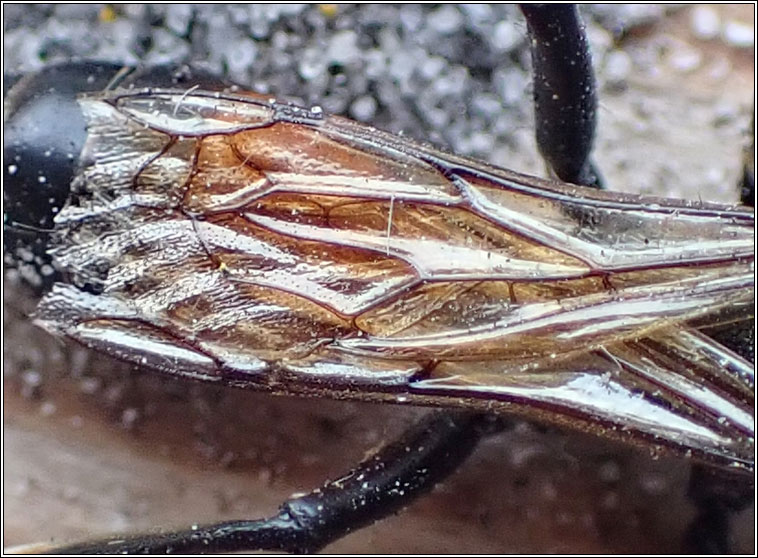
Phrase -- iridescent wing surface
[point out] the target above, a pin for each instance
(231, 238)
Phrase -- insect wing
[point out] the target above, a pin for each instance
(235, 239)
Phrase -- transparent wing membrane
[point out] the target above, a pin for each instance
(235, 239)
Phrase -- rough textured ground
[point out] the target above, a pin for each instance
(92, 447)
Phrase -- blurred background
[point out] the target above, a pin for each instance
(92, 446)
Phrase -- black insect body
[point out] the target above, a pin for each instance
(226, 237)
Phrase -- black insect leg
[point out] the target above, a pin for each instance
(565, 99)
(380, 486)
(747, 187)
(747, 183)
